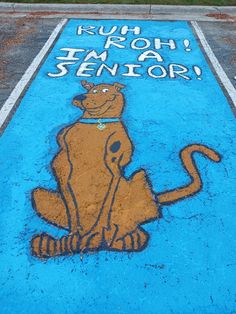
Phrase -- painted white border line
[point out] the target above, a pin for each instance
(9, 104)
(215, 63)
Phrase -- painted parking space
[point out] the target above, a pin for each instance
(117, 177)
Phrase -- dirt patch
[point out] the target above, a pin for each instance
(233, 60)
(229, 41)
(222, 16)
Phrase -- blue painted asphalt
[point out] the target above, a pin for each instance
(189, 264)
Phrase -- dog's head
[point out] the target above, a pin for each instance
(103, 100)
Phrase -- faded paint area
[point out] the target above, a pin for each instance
(188, 264)
(21, 39)
(18, 36)
(222, 39)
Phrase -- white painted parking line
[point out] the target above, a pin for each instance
(215, 63)
(9, 104)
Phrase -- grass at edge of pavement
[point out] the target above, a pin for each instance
(169, 2)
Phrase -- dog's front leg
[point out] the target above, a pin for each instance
(102, 233)
(63, 169)
(70, 204)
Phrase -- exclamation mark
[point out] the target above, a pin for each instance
(198, 72)
(186, 45)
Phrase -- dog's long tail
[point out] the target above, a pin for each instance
(190, 166)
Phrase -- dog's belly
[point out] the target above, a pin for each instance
(90, 177)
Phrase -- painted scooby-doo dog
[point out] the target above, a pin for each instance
(99, 207)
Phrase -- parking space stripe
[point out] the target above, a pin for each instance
(215, 63)
(9, 104)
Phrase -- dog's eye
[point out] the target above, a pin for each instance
(105, 90)
(95, 91)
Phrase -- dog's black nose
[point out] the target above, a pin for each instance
(80, 97)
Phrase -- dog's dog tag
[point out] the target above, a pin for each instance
(101, 126)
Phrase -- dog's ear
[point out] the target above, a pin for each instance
(118, 86)
(87, 85)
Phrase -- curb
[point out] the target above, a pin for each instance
(82, 8)
(115, 8)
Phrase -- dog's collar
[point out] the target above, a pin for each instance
(100, 122)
